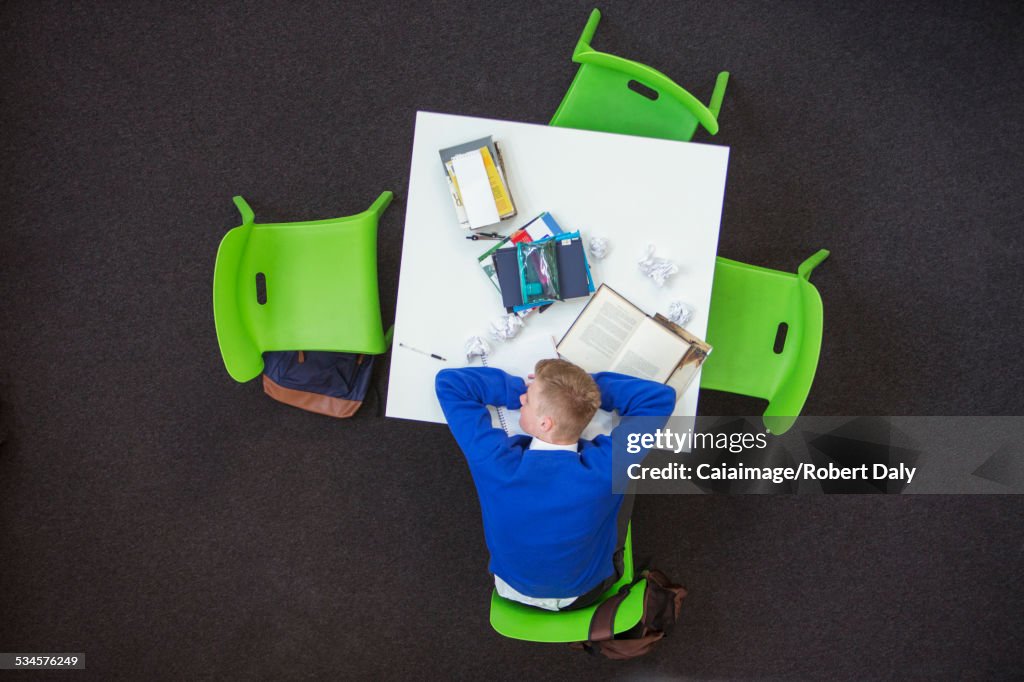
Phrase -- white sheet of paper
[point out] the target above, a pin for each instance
(477, 198)
(519, 356)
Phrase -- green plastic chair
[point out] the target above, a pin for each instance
(748, 306)
(519, 621)
(602, 98)
(320, 284)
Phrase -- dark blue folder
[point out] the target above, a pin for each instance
(573, 277)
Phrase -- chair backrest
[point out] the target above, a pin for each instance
(615, 95)
(519, 621)
(765, 327)
(297, 286)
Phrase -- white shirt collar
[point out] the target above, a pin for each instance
(538, 444)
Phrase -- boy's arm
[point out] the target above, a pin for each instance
(464, 395)
(634, 397)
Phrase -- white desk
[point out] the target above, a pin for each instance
(631, 190)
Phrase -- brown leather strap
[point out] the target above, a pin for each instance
(312, 402)
(602, 624)
(678, 592)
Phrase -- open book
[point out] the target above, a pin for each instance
(612, 334)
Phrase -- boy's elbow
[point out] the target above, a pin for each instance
(660, 401)
(444, 381)
(442, 377)
(456, 383)
(667, 399)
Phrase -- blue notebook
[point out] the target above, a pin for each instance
(573, 270)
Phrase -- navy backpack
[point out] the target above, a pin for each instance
(328, 383)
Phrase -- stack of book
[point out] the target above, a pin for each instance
(478, 183)
(503, 265)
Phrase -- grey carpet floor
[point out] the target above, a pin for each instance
(172, 524)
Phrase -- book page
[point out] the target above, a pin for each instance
(475, 189)
(652, 352)
(688, 368)
(501, 198)
(499, 157)
(453, 188)
(601, 331)
(689, 365)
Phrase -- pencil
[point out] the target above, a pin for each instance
(423, 352)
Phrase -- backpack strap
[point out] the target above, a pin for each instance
(602, 624)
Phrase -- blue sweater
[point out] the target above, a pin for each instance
(549, 516)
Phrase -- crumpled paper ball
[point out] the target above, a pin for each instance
(506, 327)
(658, 269)
(680, 313)
(476, 347)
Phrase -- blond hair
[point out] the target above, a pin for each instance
(568, 395)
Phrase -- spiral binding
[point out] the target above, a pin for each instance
(501, 410)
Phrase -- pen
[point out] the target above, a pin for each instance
(423, 352)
